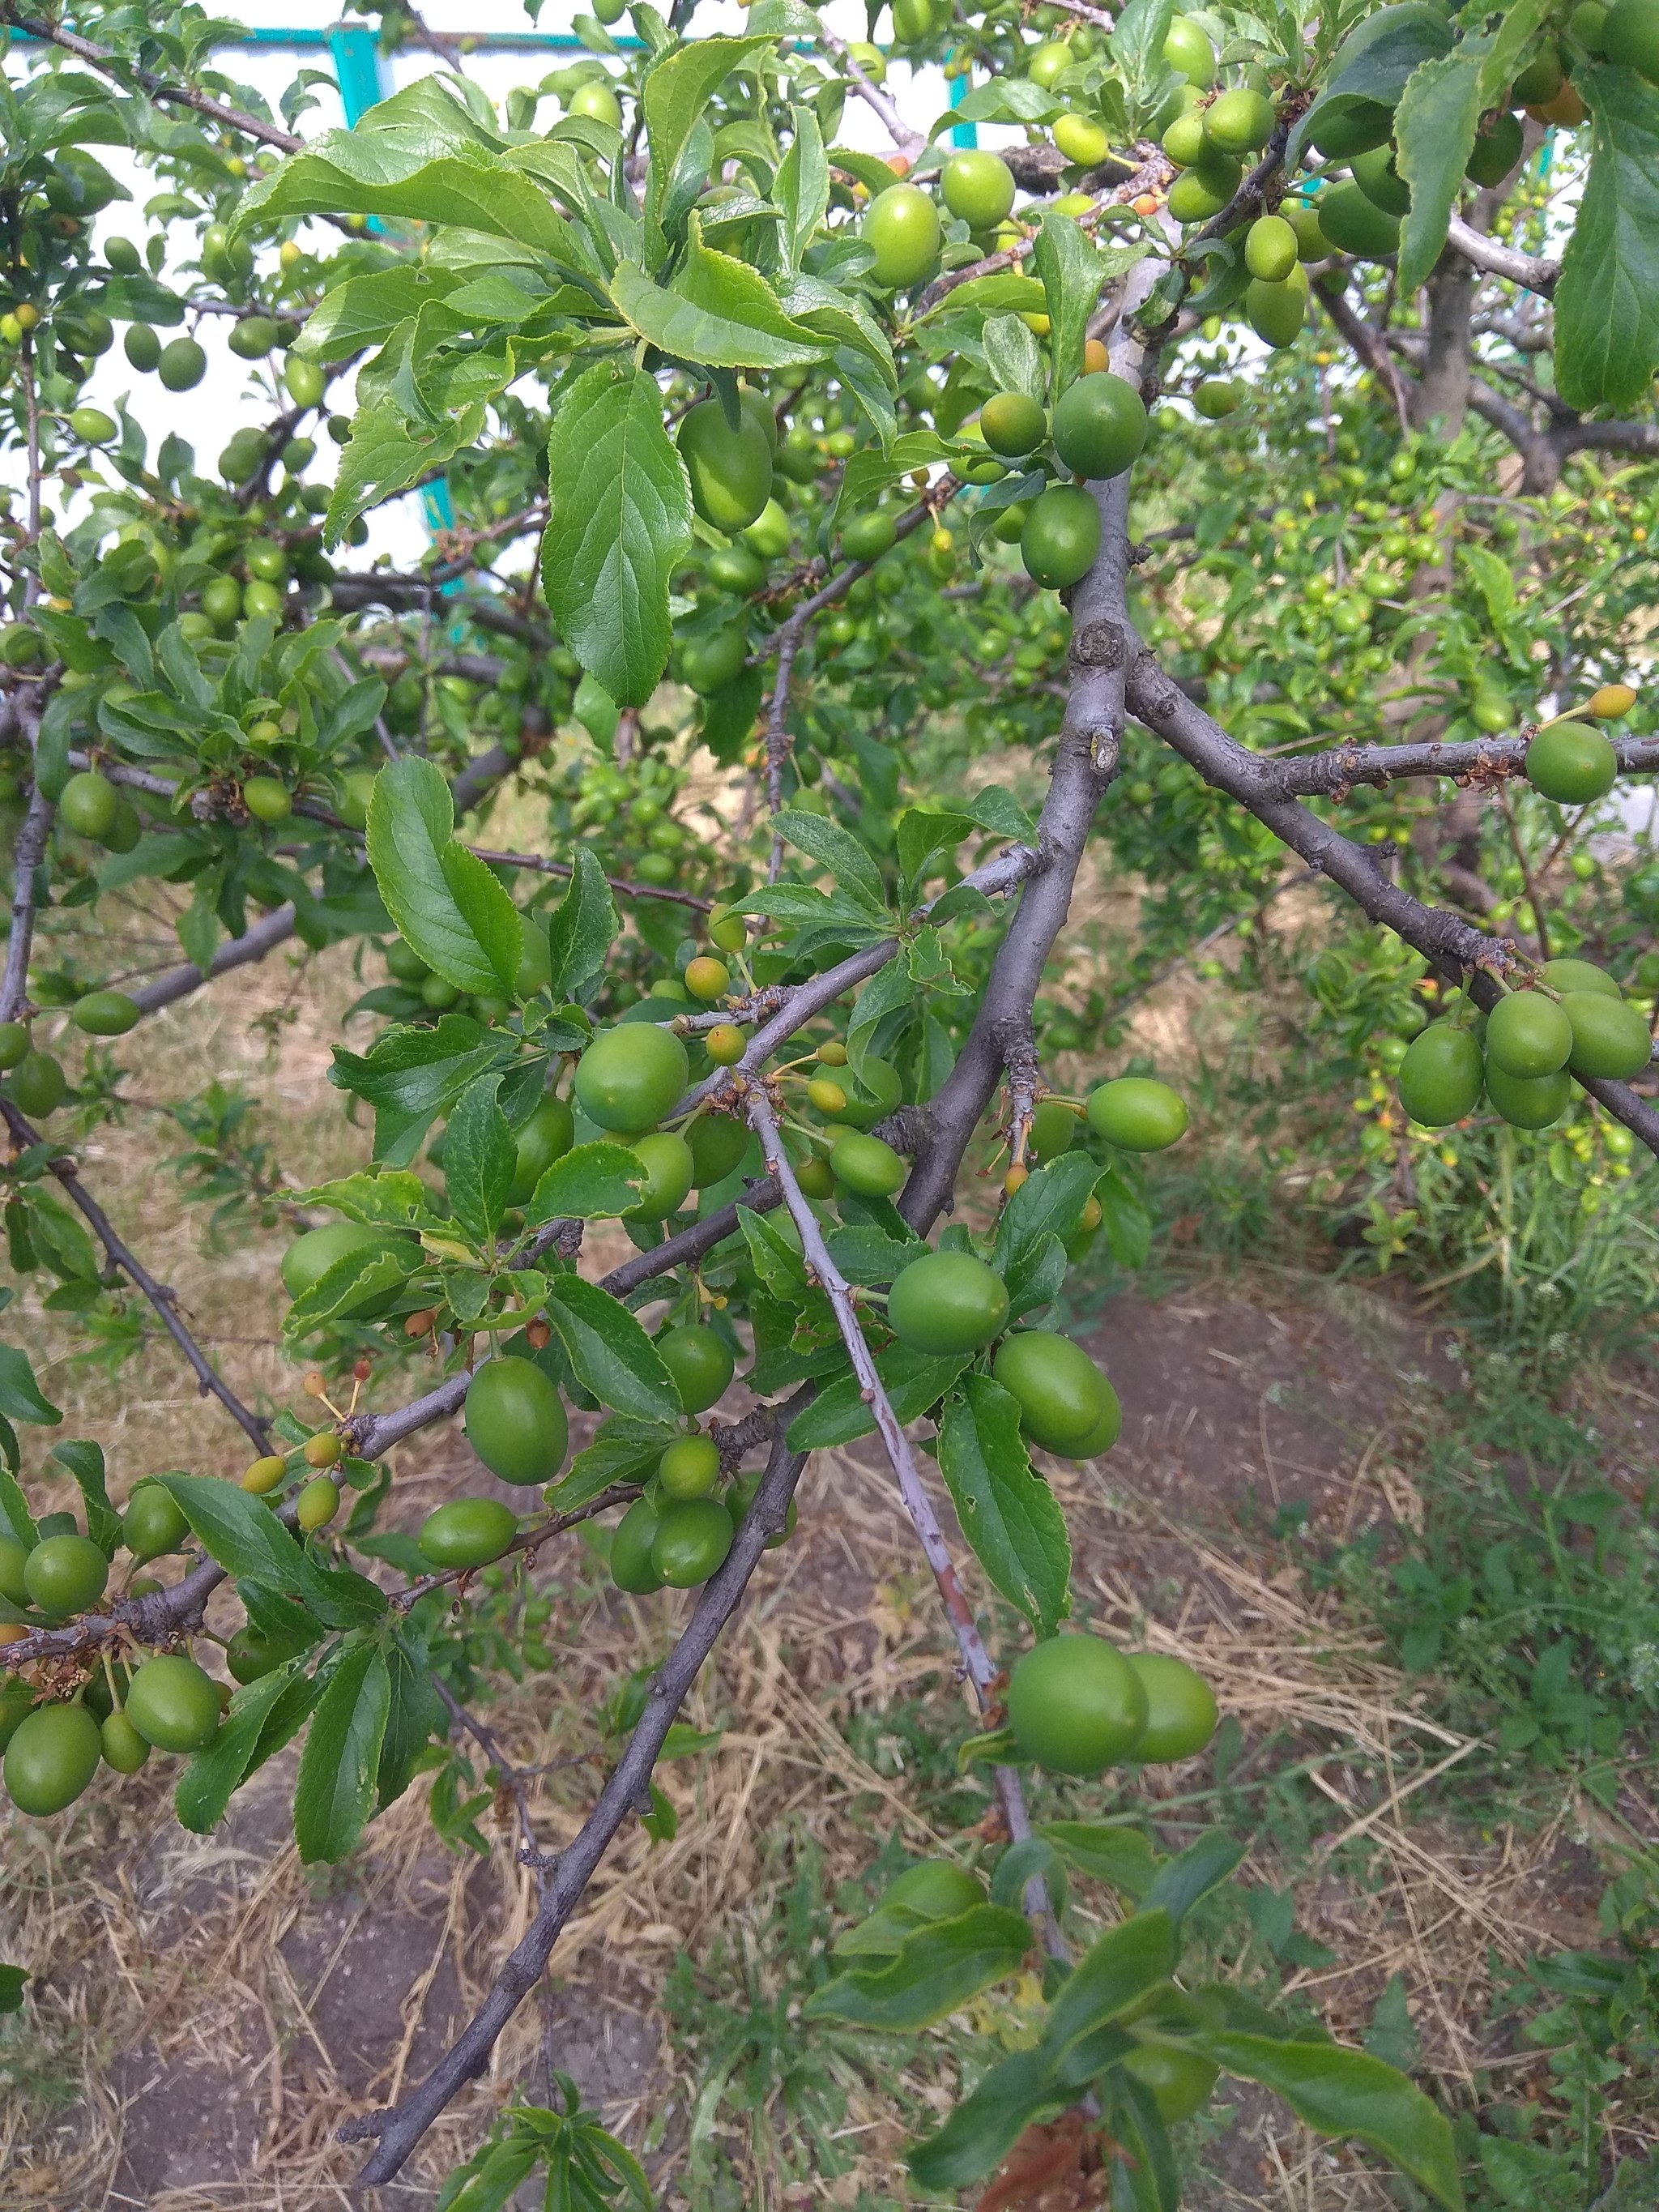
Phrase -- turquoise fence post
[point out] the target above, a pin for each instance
(961, 134)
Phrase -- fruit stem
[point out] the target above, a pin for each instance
(109, 1676)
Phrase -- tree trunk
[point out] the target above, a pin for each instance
(1442, 389)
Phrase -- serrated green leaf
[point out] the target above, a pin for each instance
(20, 1396)
(414, 1715)
(720, 313)
(444, 900)
(987, 2125)
(1111, 1978)
(610, 1353)
(1007, 1511)
(621, 520)
(1435, 127)
(1072, 273)
(623, 1449)
(248, 1539)
(479, 1161)
(387, 453)
(411, 1076)
(85, 1461)
(1348, 2092)
(594, 1183)
(372, 172)
(837, 849)
(583, 926)
(211, 1780)
(335, 1788)
(938, 1968)
(1607, 301)
(676, 97)
(913, 1381)
(352, 1281)
(396, 1200)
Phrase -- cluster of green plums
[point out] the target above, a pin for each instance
(53, 1744)
(1573, 1021)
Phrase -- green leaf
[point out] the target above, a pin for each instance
(1434, 129)
(1375, 61)
(335, 1787)
(1072, 273)
(364, 310)
(801, 187)
(1121, 1857)
(443, 899)
(913, 1381)
(583, 927)
(352, 1281)
(623, 1449)
(987, 2125)
(1193, 1874)
(1126, 1221)
(1348, 2092)
(398, 1200)
(836, 849)
(873, 468)
(1111, 1978)
(720, 314)
(12, 1979)
(1607, 302)
(15, 1519)
(387, 454)
(212, 1777)
(676, 97)
(1049, 1203)
(621, 522)
(1007, 1511)
(611, 1353)
(594, 1182)
(414, 1714)
(410, 1076)
(479, 1161)
(1013, 356)
(21, 1398)
(85, 1461)
(368, 171)
(248, 1539)
(938, 1967)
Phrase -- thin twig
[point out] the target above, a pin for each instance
(26, 856)
(211, 1382)
(159, 88)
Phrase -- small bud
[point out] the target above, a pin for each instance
(1612, 701)
(314, 1386)
(537, 1335)
(361, 1369)
(832, 1053)
(420, 1324)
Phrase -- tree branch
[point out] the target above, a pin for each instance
(1530, 270)
(626, 1791)
(1334, 773)
(26, 856)
(158, 88)
(1461, 952)
(275, 928)
(209, 1382)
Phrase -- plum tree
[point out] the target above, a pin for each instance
(752, 422)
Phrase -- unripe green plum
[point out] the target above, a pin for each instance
(1181, 1707)
(105, 1013)
(547, 1136)
(1276, 312)
(1075, 1704)
(154, 1523)
(1270, 249)
(1062, 536)
(1441, 1076)
(1205, 189)
(1187, 51)
(901, 229)
(1497, 150)
(978, 187)
(700, 1363)
(1100, 425)
(689, 1468)
(1012, 424)
(945, 1303)
(628, 1078)
(1610, 1039)
(1061, 1392)
(692, 1539)
(52, 1755)
(1528, 1035)
(468, 1532)
(730, 470)
(1239, 121)
(1137, 1113)
(1571, 763)
(65, 1574)
(1082, 140)
(515, 1421)
(1527, 1101)
(1355, 224)
(1187, 141)
(867, 1165)
(669, 1171)
(173, 1703)
(630, 1550)
(38, 1085)
(1575, 976)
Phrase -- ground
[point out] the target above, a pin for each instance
(206, 2013)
